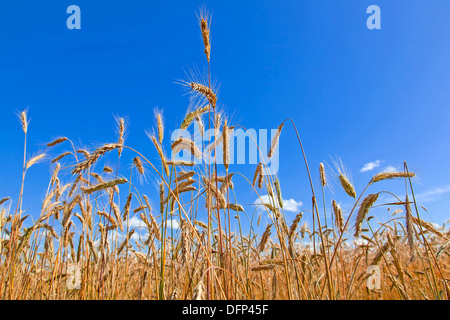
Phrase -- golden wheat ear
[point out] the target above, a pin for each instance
(204, 19)
(159, 124)
(206, 91)
(264, 238)
(23, 117)
(391, 175)
(138, 163)
(275, 140)
(161, 154)
(57, 141)
(323, 177)
(121, 130)
(339, 220)
(294, 224)
(193, 115)
(34, 160)
(363, 210)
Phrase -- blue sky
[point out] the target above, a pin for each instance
(366, 96)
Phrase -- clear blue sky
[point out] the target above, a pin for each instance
(359, 94)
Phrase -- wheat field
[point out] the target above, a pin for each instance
(83, 244)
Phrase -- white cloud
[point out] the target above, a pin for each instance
(142, 237)
(360, 242)
(135, 222)
(113, 234)
(264, 199)
(390, 169)
(436, 225)
(290, 205)
(432, 195)
(122, 236)
(173, 224)
(370, 166)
